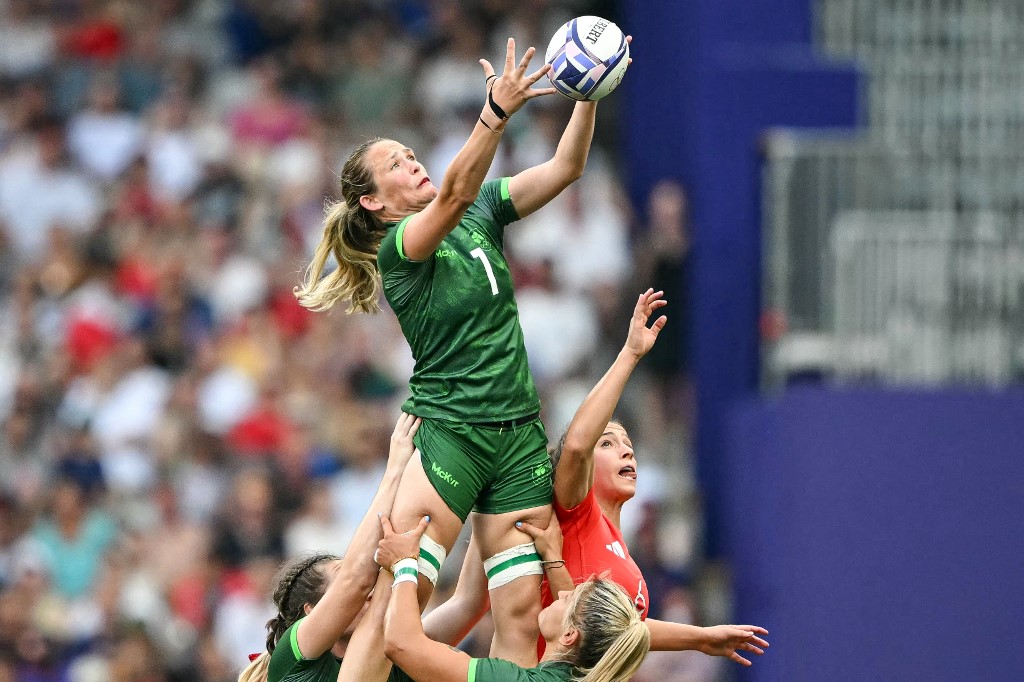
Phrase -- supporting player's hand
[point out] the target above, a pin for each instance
(401, 441)
(395, 546)
(729, 640)
(641, 338)
(513, 88)
(548, 540)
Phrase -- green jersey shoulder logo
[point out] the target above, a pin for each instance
(480, 239)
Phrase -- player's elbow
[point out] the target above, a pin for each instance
(396, 643)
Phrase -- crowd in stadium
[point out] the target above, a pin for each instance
(175, 425)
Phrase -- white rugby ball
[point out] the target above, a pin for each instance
(588, 56)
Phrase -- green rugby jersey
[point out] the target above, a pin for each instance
(497, 670)
(458, 311)
(288, 665)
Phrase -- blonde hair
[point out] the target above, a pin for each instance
(257, 671)
(613, 639)
(352, 234)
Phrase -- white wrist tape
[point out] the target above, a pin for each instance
(406, 571)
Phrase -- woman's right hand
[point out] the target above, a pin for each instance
(641, 338)
(401, 441)
(513, 88)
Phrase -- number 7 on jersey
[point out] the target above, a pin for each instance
(479, 253)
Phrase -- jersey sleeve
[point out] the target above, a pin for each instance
(496, 670)
(286, 657)
(493, 210)
(403, 278)
(581, 518)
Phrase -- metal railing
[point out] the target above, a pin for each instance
(894, 255)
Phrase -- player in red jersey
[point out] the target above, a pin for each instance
(595, 475)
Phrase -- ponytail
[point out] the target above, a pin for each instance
(613, 639)
(257, 671)
(624, 656)
(352, 235)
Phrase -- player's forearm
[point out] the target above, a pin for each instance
(450, 622)
(559, 580)
(597, 409)
(574, 146)
(468, 169)
(403, 629)
(666, 636)
(358, 562)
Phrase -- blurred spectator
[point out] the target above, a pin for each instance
(39, 191)
(74, 535)
(664, 262)
(560, 326)
(28, 39)
(104, 138)
(248, 528)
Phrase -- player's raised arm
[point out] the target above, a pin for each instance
(345, 596)
(506, 94)
(405, 642)
(534, 187)
(574, 471)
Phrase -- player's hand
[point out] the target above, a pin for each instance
(395, 546)
(729, 640)
(513, 88)
(401, 441)
(548, 540)
(641, 338)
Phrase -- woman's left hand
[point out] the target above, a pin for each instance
(548, 540)
(729, 640)
(641, 338)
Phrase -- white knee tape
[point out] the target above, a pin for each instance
(513, 563)
(432, 556)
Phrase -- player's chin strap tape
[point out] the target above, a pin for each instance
(432, 555)
(513, 563)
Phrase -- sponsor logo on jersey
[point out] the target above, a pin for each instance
(616, 549)
(443, 475)
(480, 240)
(445, 253)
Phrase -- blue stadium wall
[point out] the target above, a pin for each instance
(877, 535)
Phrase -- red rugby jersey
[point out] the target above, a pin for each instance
(592, 545)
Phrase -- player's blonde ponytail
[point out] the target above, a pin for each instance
(257, 671)
(352, 235)
(613, 640)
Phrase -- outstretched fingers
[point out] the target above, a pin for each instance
(488, 69)
(510, 55)
(739, 659)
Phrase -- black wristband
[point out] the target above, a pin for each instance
(488, 79)
(485, 124)
(498, 111)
